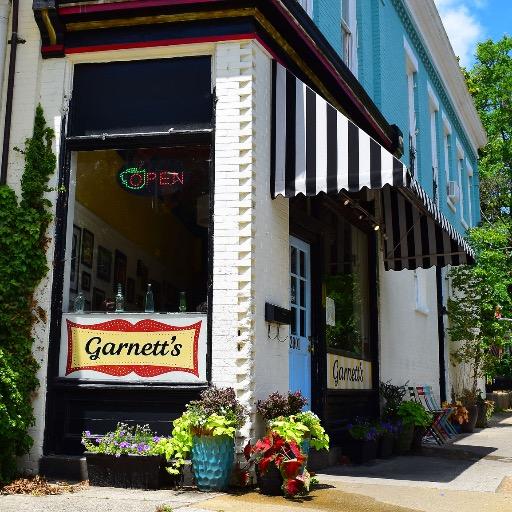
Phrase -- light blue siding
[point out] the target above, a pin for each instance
(382, 27)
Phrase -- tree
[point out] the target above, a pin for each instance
(490, 84)
(487, 284)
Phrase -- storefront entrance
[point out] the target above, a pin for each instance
(300, 332)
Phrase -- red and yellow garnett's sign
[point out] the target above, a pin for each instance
(147, 348)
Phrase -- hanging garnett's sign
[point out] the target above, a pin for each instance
(145, 179)
(130, 349)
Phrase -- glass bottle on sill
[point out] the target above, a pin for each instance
(149, 303)
(79, 303)
(119, 299)
(183, 302)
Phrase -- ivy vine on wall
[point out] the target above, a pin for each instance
(23, 244)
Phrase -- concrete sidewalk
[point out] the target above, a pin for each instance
(472, 474)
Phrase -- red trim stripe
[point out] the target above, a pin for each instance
(161, 42)
(123, 6)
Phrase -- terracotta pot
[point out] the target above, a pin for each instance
(473, 417)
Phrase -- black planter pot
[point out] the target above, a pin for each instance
(271, 482)
(473, 417)
(481, 421)
(419, 433)
(403, 441)
(360, 451)
(128, 471)
(385, 447)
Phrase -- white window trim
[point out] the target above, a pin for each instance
(307, 5)
(420, 291)
(447, 132)
(349, 27)
(411, 68)
(469, 174)
(434, 110)
(460, 173)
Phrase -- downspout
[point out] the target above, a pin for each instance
(4, 16)
(440, 333)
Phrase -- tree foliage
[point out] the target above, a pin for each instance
(490, 84)
(23, 264)
(482, 287)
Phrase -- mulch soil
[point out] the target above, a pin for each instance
(39, 486)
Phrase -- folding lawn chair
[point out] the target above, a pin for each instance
(433, 405)
(433, 431)
(440, 415)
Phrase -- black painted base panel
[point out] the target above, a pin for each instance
(98, 409)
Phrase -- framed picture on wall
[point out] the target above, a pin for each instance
(104, 264)
(86, 281)
(130, 290)
(120, 264)
(75, 258)
(98, 300)
(87, 248)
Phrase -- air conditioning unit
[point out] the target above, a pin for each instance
(453, 192)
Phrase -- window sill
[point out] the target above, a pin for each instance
(422, 310)
(452, 207)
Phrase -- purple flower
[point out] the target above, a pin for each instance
(87, 433)
(124, 444)
(156, 439)
(99, 440)
(142, 447)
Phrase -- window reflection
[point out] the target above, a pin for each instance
(140, 218)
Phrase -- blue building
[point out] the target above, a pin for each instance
(400, 53)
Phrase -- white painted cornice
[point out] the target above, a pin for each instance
(434, 36)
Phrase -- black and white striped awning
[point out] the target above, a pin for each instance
(315, 149)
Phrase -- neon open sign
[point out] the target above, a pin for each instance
(140, 180)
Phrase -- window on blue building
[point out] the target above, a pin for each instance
(349, 34)
(434, 115)
(411, 71)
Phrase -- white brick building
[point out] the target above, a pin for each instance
(237, 252)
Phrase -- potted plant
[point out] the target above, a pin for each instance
(388, 432)
(126, 457)
(392, 396)
(459, 416)
(303, 428)
(415, 421)
(277, 404)
(469, 398)
(206, 432)
(360, 445)
(279, 466)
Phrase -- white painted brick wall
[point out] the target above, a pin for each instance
(409, 347)
(272, 270)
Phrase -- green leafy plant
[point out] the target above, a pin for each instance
(216, 413)
(23, 245)
(393, 396)
(124, 440)
(301, 426)
(363, 430)
(414, 414)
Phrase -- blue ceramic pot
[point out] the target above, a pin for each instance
(212, 461)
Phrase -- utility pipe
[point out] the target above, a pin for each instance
(10, 81)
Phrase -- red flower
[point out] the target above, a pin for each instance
(290, 468)
(292, 487)
(247, 451)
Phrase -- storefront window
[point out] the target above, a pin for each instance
(138, 223)
(346, 291)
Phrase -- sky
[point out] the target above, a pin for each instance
(469, 21)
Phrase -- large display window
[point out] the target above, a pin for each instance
(138, 230)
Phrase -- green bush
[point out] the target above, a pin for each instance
(23, 244)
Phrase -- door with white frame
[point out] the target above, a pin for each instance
(300, 329)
